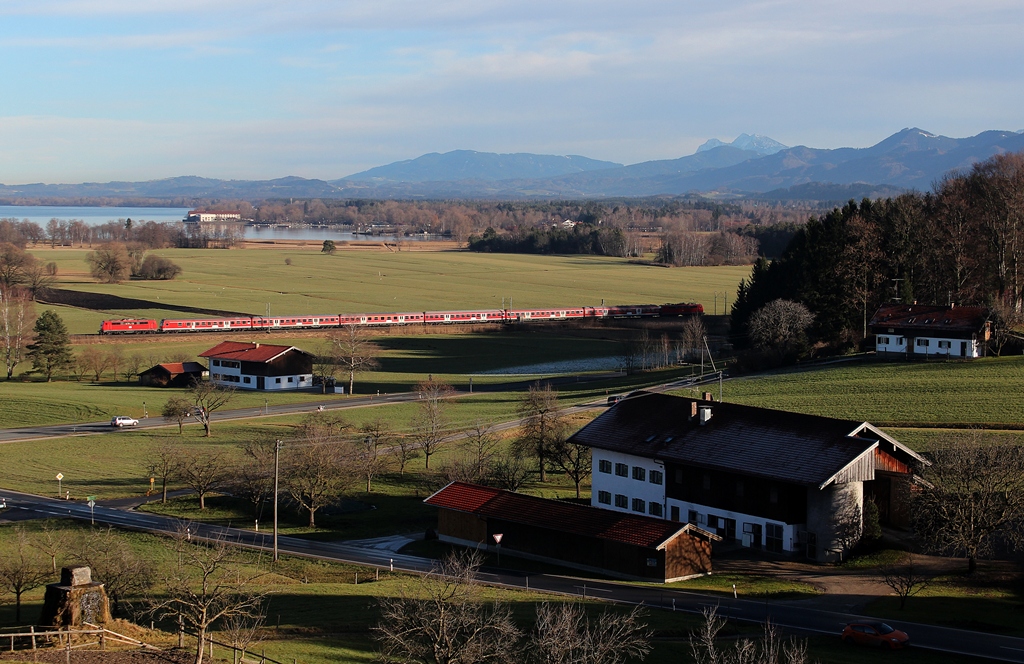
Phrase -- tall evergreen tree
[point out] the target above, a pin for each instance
(52, 348)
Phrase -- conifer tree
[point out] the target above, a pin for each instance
(52, 348)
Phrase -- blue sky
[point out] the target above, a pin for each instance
(97, 90)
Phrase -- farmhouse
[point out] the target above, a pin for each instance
(257, 366)
(766, 479)
(621, 545)
(926, 330)
(173, 374)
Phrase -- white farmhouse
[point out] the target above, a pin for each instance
(259, 366)
(929, 330)
(771, 480)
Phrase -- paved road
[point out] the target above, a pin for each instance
(93, 428)
(786, 614)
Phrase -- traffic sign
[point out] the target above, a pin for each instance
(497, 537)
(60, 476)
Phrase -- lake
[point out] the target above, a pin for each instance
(95, 216)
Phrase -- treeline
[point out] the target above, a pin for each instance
(580, 239)
(150, 234)
(961, 243)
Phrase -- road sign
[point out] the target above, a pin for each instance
(497, 537)
(91, 503)
(91, 499)
(60, 476)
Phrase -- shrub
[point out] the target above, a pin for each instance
(158, 268)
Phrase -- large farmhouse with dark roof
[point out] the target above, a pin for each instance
(258, 366)
(768, 479)
(927, 330)
(622, 545)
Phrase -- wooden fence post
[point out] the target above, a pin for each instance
(32, 631)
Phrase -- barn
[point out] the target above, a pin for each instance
(173, 374)
(572, 535)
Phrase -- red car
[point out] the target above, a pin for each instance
(875, 634)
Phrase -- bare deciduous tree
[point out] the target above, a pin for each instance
(177, 409)
(126, 575)
(780, 325)
(16, 320)
(573, 459)
(564, 635)
(976, 498)
(52, 540)
(21, 568)
(326, 363)
(691, 340)
(253, 479)
(481, 446)
(208, 584)
(904, 579)
(208, 397)
(163, 466)
(447, 622)
(770, 649)
(110, 263)
(369, 456)
(355, 352)
(509, 472)
(94, 360)
(315, 467)
(544, 425)
(430, 424)
(203, 472)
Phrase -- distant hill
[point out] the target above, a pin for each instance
(750, 166)
(483, 166)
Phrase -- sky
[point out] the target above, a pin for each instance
(100, 90)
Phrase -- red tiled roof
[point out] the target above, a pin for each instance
(557, 515)
(182, 367)
(247, 352)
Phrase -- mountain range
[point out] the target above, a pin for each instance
(750, 166)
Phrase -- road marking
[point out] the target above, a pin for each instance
(1009, 648)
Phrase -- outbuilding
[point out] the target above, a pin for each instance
(577, 536)
(173, 374)
(259, 366)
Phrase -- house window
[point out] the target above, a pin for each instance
(655, 509)
(605, 466)
(773, 537)
(216, 363)
(639, 473)
(900, 341)
(923, 343)
(622, 470)
(247, 379)
(657, 477)
(944, 344)
(639, 505)
(278, 380)
(604, 497)
(883, 341)
(694, 517)
(621, 501)
(290, 379)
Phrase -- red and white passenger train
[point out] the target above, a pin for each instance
(317, 321)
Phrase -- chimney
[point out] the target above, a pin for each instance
(705, 415)
(693, 410)
(707, 396)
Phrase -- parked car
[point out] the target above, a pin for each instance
(875, 634)
(124, 421)
(614, 399)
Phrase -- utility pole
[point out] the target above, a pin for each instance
(277, 465)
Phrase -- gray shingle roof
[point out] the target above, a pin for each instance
(790, 447)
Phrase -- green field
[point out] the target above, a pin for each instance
(247, 280)
(986, 393)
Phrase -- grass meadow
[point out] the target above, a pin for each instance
(247, 280)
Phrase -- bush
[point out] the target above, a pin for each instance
(158, 268)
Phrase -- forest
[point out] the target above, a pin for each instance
(961, 243)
